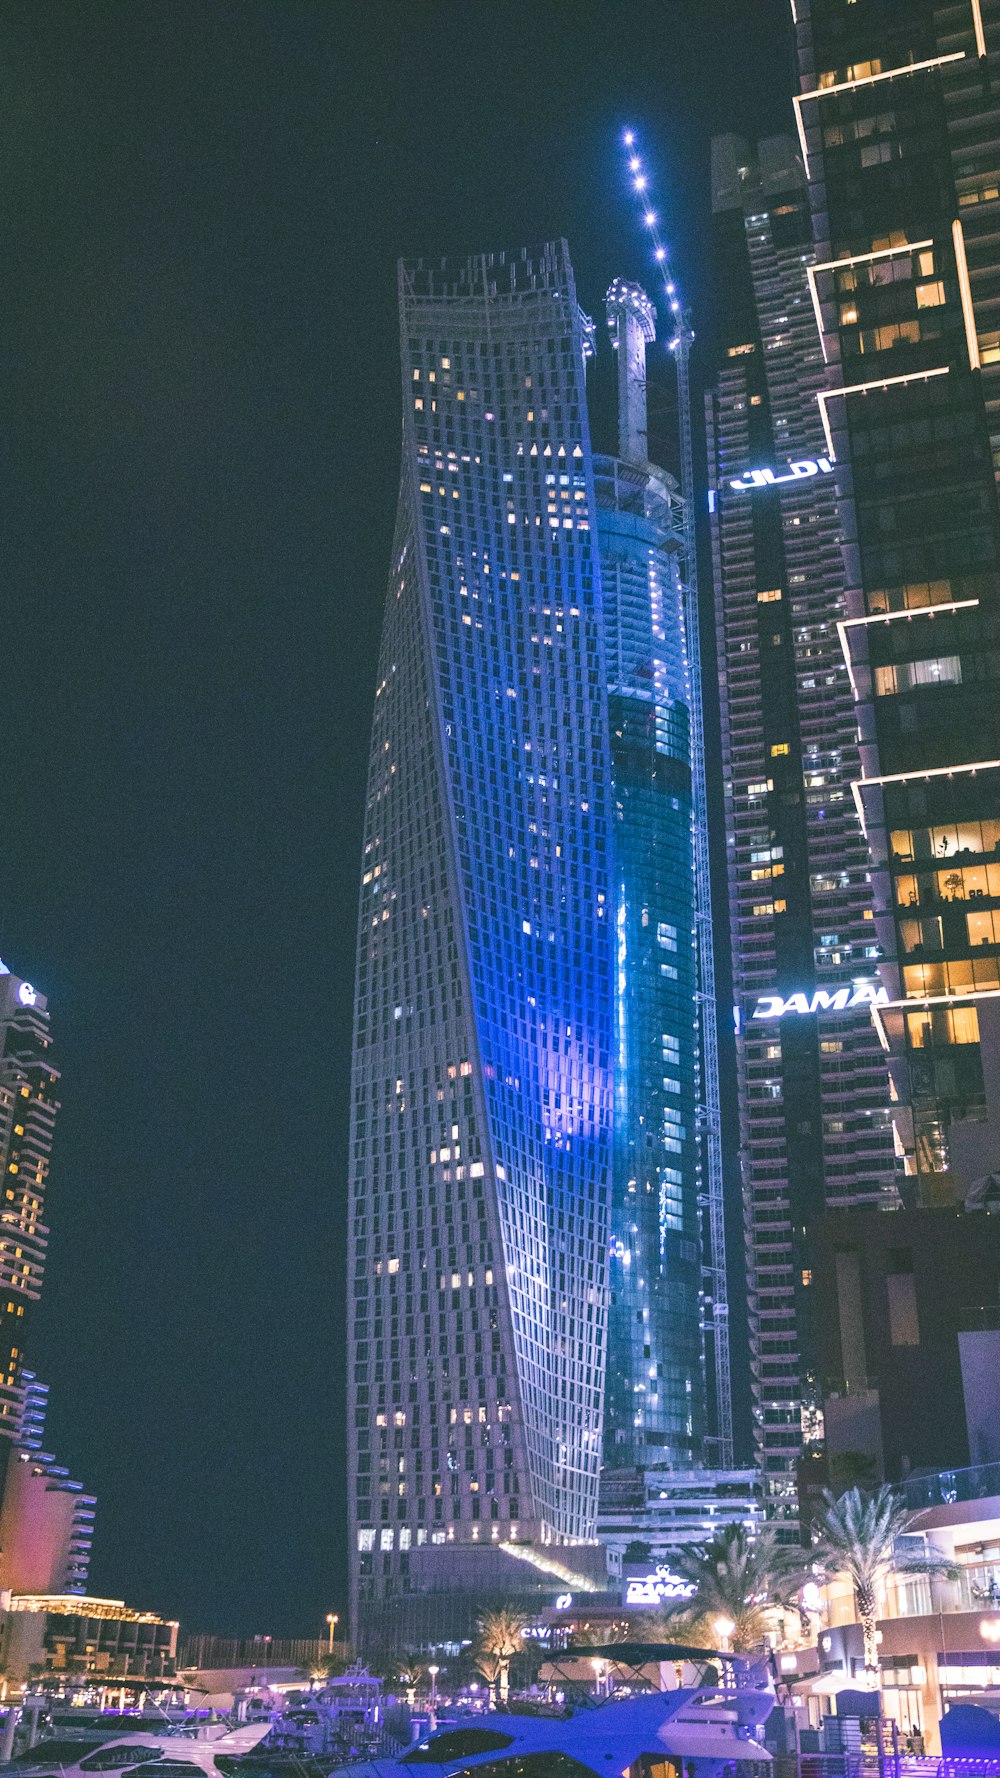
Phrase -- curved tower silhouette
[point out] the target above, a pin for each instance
(482, 1046)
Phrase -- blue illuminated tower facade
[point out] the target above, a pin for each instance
(655, 1412)
(481, 1085)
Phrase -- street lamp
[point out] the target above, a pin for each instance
(723, 1627)
(433, 1671)
(331, 1621)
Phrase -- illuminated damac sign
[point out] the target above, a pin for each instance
(799, 471)
(774, 1006)
(650, 1589)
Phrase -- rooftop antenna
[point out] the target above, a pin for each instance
(679, 339)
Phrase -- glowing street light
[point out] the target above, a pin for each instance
(331, 1623)
(723, 1627)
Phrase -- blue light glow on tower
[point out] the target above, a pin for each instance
(655, 1408)
(483, 1015)
(685, 1407)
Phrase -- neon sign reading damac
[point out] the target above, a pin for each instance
(775, 1006)
(652, 1589)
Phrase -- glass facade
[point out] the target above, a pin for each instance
(898, 126)
(655, 1400)
(480, 1142)
(813, 1084)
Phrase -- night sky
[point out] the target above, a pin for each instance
(202, 205)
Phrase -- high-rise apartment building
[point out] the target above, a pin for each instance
(898, 126)
(656, 1410)
(46, 1520)
(29, 1082)
(480, 1140)
(813, 1086)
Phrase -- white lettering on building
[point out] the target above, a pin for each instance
(650, 1589)
(775, 1006)
(801, 470)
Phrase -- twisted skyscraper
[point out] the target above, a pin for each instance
(483, 1018)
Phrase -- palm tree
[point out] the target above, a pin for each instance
(409, 1673)
(737, 1580)
(500, 1638)
(858, 1539)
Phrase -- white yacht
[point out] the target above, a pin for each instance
(184, 1753)
(681, 1733)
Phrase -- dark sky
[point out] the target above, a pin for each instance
(202, 205)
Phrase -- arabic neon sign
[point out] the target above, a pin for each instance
(775, 1006)
(803, 469)
(651, 1589)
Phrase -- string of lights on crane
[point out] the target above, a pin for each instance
(639, 179)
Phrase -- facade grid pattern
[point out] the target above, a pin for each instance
(482, 1052)
(898, 119)
(813, 1089)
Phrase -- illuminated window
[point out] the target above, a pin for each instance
(908, 675)
(943, 1025)
(779, 748)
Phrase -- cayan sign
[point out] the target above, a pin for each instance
(799, 471)
(775, 1006)
(650, 1589)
